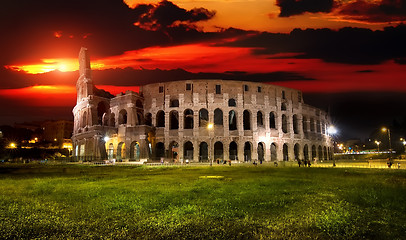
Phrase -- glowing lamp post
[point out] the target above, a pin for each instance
(377, 143)
(384, 129)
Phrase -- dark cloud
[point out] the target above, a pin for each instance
(383, 11)
(166, 14)
(296, 7)
(49, 28)
(347, 45)
(358, 10)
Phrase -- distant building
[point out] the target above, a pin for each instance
(197, 120)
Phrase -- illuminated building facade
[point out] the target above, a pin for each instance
(197, 121)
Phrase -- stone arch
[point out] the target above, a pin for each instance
(203, 151)
(233, 151)
(160, 150)
(311, 124)
(188, 151)
(320, 153)
(139, 118)
(122, 117)
(246, 120)
(203, 117)
(148, 119)
(135, 151)
(304, 124)
(218, 117)
(314, 153)
(121, 151)
(232, 120)
(284, 123)
(272, 120)
(261, 151)
(160, 119)
(247, 151)
(260, 119)
(102, 108)
(110, 153)
(285, 152)
(174, 151)
(218, 151)
(174, 120)
(274, 152)
(325, 153)
(296, 150)
(232, 102)
(295, 124)
(306, 152)
(105, 119)
(188, 119)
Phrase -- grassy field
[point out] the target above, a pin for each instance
(221, 202)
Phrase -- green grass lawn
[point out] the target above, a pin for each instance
(221, 202)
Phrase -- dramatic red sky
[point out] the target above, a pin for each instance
(331, 48)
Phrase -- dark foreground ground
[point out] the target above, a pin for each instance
(220, 202)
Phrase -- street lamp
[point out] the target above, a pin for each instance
(384, 129)
(377, 143)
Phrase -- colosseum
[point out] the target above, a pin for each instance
(197, 121)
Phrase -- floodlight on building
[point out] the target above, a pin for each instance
(210, 126)
(106, 138)
(13, 145)
(331, 130)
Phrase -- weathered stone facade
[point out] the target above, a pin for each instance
(198, 120)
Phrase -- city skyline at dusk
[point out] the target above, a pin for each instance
(347, 57)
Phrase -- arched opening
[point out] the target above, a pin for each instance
(105, 119)
(284, 124)
(272, 122)
(101, 110)
(121, 151)
(173, 120)
(139, 118)
(188, 151)
(112, 120)
(314, 153)
(260, 119)
(325, 153)
(232, 103)
(174, 151)
(261, 152)
(295, 124)
(188, 119)
(111, 151)
(247, 151)
(283, 107)
(233, 152)
(139, 104)
(232, 120)
(122, 117)
(306, 152)
(148, 119)
(160, 150)
(304, 124)
(84, 119)
(318, 126)
(285, 152)
(203, 152)
(246, 120)
(218, 117)
(174, 103)
(320, 153)
(135, 151)
(296, 150)
(218, 151)
(160, 119)
(274, 155)
(203, 117)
